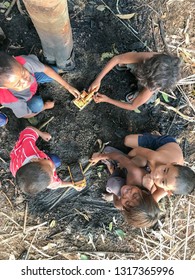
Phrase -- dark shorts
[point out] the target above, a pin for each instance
(154, 142)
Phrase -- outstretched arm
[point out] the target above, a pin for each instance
(126, 58)
(122, 159)
(142, 98)
(44, 135)
(51, 73)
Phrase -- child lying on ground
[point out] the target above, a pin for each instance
(136, 203)
(153, 71)
(164, 159)
(19, 78)
(33, 169)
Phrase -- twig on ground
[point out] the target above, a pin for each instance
(45, 123)
(2, 213)
(35, 227)
(10, 8)
(187, 118)
(25, 218)
(187, 228)
(2, 160)
(163, 35)
(20, 7)
(26, 258)
(7, 199)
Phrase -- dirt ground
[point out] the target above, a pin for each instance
(81, 225)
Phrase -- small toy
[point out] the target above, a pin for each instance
(84, 100)
(77, 176)
(3, 119)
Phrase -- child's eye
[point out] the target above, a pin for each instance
(163, 182)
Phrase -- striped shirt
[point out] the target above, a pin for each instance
(26, 149)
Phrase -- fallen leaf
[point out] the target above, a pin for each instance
(84, 257)
(121, 234)
(137, 111)
(110, 226)
(165, 96)
(101, 8)
(106, 55)
(125, 16)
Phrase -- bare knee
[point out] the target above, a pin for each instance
(131, 140)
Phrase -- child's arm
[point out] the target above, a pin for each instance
(126, 58)
(159, 194)
(117, 202)
(142, 98)
(51, 73)
(44, 135)
(123, 160)
(139, 161)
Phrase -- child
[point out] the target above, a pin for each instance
(137, 204)
(163, 158)
(33, 169)
(19, 78)
(153, 71)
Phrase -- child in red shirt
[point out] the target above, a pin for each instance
(33, 169)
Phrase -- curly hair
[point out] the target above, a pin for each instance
(162, 71)
(146, 214)
(31, 178)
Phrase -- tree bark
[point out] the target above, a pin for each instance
(52, 23)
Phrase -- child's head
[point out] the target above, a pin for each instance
(35, 176)
(160, 72)
(139, 207)
(12, 74)
(174, 178)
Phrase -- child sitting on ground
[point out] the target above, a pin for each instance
(34, 170)
(153, 71)
(19, 78)
(163, 158)
(136, 203)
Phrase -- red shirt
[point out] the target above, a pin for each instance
(26, 147)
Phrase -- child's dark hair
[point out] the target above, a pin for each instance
(31, 178)
(6, 67)
(145, 215)
(162, 71)
(185, 180)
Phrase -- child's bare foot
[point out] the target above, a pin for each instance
(107, 196)
(49, 105)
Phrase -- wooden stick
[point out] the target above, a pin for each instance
(25, 218)
(187, 118)
(10, 7)
(45, 123)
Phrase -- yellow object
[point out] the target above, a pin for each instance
(84, 100)
(82, 183)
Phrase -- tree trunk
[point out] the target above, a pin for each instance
(51, 20)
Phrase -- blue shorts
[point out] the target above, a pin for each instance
(154, 142)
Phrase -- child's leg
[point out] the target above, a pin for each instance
(132, 140)
(147, 140)
(36, 104)
(42, 78)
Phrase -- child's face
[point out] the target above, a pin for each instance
(130, 196)
(19, 79)
(164, 176)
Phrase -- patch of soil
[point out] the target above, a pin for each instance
(73, 223)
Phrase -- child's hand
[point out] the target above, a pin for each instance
(98, 98)
(95, 158)
(148, 182)
(74, 92)
(45, 136)
(94, 86)
(107, 197)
